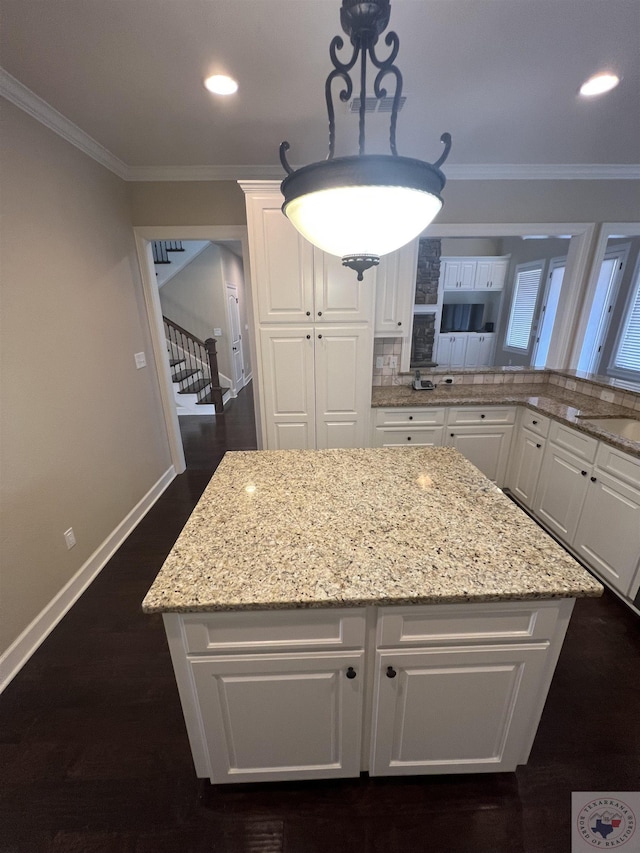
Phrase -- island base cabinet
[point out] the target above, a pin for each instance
(455, 710)
(278, 717)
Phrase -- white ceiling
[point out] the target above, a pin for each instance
(500, 75)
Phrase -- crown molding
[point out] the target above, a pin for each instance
(16, 92)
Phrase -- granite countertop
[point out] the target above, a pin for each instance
(569, 407)
(343, 528)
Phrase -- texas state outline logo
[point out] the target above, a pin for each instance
(604, 821)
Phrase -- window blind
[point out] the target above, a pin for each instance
(523, 306)
(627, 355)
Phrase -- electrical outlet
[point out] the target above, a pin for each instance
(447, 380)
(70, 538)
(379, 362)
(607, 396)
(393, 361)
(141, 360)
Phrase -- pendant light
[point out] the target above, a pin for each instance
(366, 205)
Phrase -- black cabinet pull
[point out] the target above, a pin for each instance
(391, 673)
(308, 313)
(593, 479)
(584, 473)
(483, 417)
(534, 422)
(452, 435)
(410, 417)
(399, 322)
(351, 673)
(308, 337)
(408, 438)
(319, 313)
(319, 336)
(538, 445)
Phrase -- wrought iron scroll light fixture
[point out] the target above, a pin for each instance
(366, 205)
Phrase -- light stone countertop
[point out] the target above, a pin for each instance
(343, 528)
(569, 407)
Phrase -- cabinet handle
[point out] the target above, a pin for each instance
(391, 673)
(538, 445)
(319, 336)
(483, 416)
(351, 673)
(534, 423)
(410, 417)
(408, 438)
(399, 322)
(593, 479)
(319, 313)
(452, 434)
(584, 473)
(308, 337)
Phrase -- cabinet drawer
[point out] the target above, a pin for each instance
(476, 623)
(410, 417)
(470, 416)
(535, 422)
(619, 464)
(575, 442)
(421, 437)
(272, 630)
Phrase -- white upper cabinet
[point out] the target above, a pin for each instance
(338, 295)
(395, 292)
(479, 273)
(457, 273)
(491, 273)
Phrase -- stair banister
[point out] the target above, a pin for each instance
(197, 354)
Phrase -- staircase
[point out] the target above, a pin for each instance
(194, 372)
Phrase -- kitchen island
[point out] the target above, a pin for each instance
(386, 610)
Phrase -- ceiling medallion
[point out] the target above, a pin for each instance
(366, 205)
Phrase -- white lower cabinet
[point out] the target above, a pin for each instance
(524, 465)
(483, 435)
(276, 695)
(280, 716)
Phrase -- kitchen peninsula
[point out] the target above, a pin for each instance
(387, 610)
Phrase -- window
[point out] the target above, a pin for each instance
(626, 355)
(523, 305)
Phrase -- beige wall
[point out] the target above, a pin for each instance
(83, 439)
(187, 203)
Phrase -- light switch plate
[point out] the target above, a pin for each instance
(141, 360)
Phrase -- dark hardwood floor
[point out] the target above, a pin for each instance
(94, 756)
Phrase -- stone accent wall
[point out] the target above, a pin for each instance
(422, 340)
(428, 272)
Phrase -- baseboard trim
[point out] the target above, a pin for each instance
(19, 652)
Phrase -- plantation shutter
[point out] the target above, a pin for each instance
(523, 306)
(627, 355)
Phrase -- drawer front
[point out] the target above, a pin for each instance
(472, 416)
(410, 417)
(619, 464)
(427, 437)
(273, 630)
(446, 624)
(535, 422)
(575, 442)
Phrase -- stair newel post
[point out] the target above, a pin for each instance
(216, 390)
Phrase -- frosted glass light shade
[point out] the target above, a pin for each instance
(362, 207)
(362, 220)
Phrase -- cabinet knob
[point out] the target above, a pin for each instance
(593, 479)
(452, 435)
(584, 473)
(308, 313)
(410, 417)
(391, 673)
(319, 313)
(399, 322)
(534, 422)
(351, 673)
(538, 445)
(319, 336)
(483, 416)
(308, 337)
(408, 438)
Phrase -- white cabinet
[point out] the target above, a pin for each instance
(465, 349)
(527, 453)
(451, 349)
(479, 350)
(314, 341)
(419, 427)
(483, 435)
(473, 273)
(395, 292)
(316, 385)
(327, 692)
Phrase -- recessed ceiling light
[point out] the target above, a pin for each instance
(220, 84)
(598, 84)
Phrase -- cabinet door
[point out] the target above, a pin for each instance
(487, 447)
(608, 534)
(276, 717)
(490, 274)
(282, 263)
(338, 296)
(451, 350)
(458, 274)
(395, 292)
(419, 437)
(498, 274)
(343, 358)
(455, 710)
(479, 350)
(287, 354)
(524, 467)
(561, 491)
